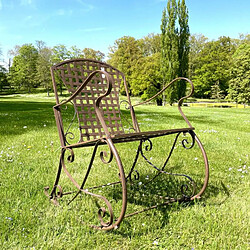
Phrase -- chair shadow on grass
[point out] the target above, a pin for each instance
(149, 196)
(142, 195)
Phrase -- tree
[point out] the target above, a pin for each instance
(139, 60)
(60, 53)
(93, 54)
(239, 85)
(169, 55)
(213, 65)
(175, 47)
(146, 78)
(23, 70)
(43, 65)
(183, 46)
(216, 92)
(150, 44)
(3, 75)
(125, 55)
(75, 52)
(197, 43)
(3, 78)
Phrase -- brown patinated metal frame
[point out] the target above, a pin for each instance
(94, 87)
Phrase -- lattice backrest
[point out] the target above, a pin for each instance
(73, 73)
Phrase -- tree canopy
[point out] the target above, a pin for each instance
(23, 71)
(218, 68)
(211, 65)
(175, 47)
(239, 84)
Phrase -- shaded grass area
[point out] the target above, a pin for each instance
(29, 154)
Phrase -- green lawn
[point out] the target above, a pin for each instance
(29, 153)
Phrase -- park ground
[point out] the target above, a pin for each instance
(29, 153)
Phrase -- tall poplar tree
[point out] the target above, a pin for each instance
(183, 46)
(170, 64)
(175, 47)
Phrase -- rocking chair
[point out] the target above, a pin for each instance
(94, 89)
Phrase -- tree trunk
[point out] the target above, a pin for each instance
(159, 102)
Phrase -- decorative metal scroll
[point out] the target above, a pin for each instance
(127, 107)
(68, 135)
(102, 211)
(104, 155)
(148, 147)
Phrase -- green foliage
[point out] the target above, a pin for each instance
(125, 55)
(3, 75)
(150, 44)
(93, 54)
(23, 70)
(60, 53)
(213, 65)
(197, 44)
(239, 88)
(148, 63)
(175, 47)
(31, 65)
(146, 77)
(216, 92)
(139, 60)
(170, 63)
(183, 46)
(3, 79)
(43, 66)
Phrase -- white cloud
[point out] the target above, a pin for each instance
(87, 7)
(26, 2)
(1, 5)
(62, 12)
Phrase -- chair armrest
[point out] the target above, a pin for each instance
(179, 102)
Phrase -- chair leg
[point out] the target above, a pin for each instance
(184, 188)
(54, 194)
(122, 177)
(111, 224)
(136, 176)
(87, 173)
(206, 165)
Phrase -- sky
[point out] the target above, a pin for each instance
(98, 23)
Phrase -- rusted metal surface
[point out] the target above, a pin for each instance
(94, 92)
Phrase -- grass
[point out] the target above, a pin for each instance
(29, 153)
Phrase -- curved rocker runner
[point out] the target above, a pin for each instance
(94, 92)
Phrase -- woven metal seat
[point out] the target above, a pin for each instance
(94, 89)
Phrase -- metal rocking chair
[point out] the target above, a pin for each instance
(94, 92)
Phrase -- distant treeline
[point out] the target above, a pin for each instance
(219, 69)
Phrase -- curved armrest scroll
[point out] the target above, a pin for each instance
(84, 84)
(179, 102)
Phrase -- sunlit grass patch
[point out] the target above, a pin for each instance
(29, 154)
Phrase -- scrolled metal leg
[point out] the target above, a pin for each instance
(184, 188)
(54, 194)
(88, 171)
(123, 185)
(136, 176)
(198, 195)
(102, 211)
